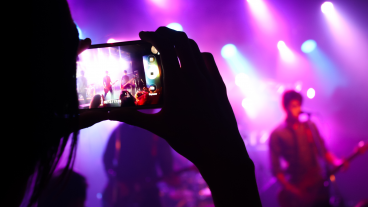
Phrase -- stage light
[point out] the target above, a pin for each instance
(281, 45)
(298, 86)
(311, 93)
(328, 8)
(228, 51)
(309, 46)
(111, 40)
(175, 26)
(259, 7)
(285, 52)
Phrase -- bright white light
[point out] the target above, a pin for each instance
(242, 79)
(175, 26)
(308, 46)
(111, 40)
(285, 52)
(281, 45)
(228, 51)
(328, 8)
(311, 93)
(258, 6)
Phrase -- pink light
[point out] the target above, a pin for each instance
(286, 54)
(311, 93)
(263, 15)
(298, 86)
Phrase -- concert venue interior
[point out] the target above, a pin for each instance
(262, 48)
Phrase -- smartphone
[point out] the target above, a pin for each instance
(121, 74)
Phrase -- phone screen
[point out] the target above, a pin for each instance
(125, 74)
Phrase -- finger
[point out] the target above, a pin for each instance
(135, 118)
(202, 67)
(182, 47)
(214, 72)
(89, 118)
(83, 45)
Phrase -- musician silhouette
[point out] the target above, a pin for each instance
(107, 85)
(131, 159)
(126, 83)
(82, 86)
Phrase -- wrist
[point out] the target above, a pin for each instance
(231, 181)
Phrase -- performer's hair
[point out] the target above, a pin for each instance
(125, 71)
(290, 95)
(95, 102)
(66, 191)
(106, 71)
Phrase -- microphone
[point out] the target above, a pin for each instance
(305, 112)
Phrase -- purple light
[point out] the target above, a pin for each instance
(311, 93)
(328, 8)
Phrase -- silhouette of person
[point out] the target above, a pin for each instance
(69, 191)
(130, 160)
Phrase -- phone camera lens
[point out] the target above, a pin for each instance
(151, 59)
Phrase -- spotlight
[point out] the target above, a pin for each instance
(308, 46)
(175, 26)
(311, 93)
(228, 51)
(285, 52)
(327, 8)
(281, 45)
(111, 40)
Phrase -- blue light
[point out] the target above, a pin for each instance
(175, 26)
(228, 51)
(79, 31)
(308, 46)
(99, 195)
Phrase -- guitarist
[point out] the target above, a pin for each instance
(126, 83)
(293, 142)
(107, 85)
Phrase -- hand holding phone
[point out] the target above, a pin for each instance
(198, 123)
(197, 120)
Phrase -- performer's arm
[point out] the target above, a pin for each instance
(329, 156)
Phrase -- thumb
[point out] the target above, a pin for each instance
(135, 118)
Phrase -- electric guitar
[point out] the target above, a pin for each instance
(107, 88)
(310, 185)
(122, 86)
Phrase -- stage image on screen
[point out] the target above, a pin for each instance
(118, 76)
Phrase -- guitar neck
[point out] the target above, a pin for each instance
(348, 159)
